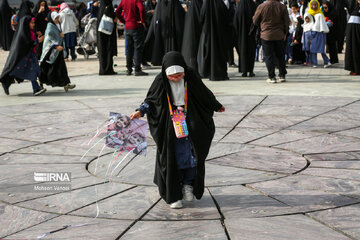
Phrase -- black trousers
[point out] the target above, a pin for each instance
(332, 47)
(274, 55)
(135, 46)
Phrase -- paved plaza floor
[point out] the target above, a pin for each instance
(284, 163)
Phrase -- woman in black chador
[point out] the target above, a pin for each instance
(180, 160)
(6, 33)
(213, 46)
(106, 44)
(352, 59)
(26, 8)
(53, 67)
(246, 43)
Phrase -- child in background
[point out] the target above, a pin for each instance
(298, 53)
(293, 19)
(306, 38)
(15, 20)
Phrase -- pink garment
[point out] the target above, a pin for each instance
(33, 36)
(63, 6)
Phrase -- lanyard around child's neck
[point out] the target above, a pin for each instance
(186, 98)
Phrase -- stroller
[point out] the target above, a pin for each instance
(87, 41)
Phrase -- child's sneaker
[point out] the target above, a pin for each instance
(271, 80)
(327, 65)
(176, 205)
(188, 193)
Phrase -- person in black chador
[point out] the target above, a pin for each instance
(150, 7)
(297, 52)
(213, 47)
(22, 62)
(331, 37)
(26, 7)
(6, 33)
(41, 12)
(106, 44)
(166, 30)
(339, 8)
(352, 59)
(180, 162)
(192, 31)
(53, 67)
(245, 38)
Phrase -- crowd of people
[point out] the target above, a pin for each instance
(206, 32)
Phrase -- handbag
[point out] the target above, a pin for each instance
(106, 25)
(179, 118)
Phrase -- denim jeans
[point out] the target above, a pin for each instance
(274, 54)
(314, 58)
(36, 87)
(134, 49)
(185, 160)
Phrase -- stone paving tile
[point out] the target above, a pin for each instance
(308, 101)
(197, 210)
(243, 102)
(295, 227)
(217, 175)
(334, 156)
(118, 207)
(291, 110)
(69, 201)
(285, 136)
(345, 219)
(337, 164)
(16, 219)
(227, 120)
(79, 228)
(323, 144)
(265, 159)
(271, 122)
(28, 159)
(9, 145)
(353, 174)
(114, 102)
(221, 149)
(242, 202)
(300, 195)
(355, 132)
(243, 135)
(176, 230)
(220, 133)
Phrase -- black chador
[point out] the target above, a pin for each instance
(246, 43)
(339, 8)
(41, 18)
(26, 7)
(106, 44)
(166, 30)
(213, 46)
(201, 106)
(6, 33)
(192, 31)
(352, 59)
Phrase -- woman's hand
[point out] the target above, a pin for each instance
(62, 35)
(59, 48)
(135, 115)
(41, 39)
(222, 109)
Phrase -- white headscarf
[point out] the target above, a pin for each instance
(320, 24)
(308, 26)
(54, 15)
(177, 88)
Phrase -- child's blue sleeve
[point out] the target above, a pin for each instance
(144, 108)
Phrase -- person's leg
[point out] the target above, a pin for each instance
(73, 54)
(279, 52)
(138, 47)
(129, 50)
(325, 58)
(188, 180)
(268, 50)
(314, 59)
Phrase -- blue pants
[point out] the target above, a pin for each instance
(314, 58)
(185, 160)
(35, 86)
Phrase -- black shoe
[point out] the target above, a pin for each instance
(251, 74)
(244, 75)
(141, 73)
(128, 73)
(146, 65)
(40, 92)
(6, 88)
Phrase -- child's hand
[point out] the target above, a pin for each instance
(135, 115)
(296, 42)
(222, 109)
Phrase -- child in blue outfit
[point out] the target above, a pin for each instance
(180, 160)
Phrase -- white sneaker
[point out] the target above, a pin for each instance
(315, 66)
(271, 80)
(327, 65)
(188, 193)
(282, 79)
(176, 205)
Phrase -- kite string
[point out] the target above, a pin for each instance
(96, 192)
(121, 162)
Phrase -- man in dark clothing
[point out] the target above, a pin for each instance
(132, 14)
(273, 19)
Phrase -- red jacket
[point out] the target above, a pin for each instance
(132, 13)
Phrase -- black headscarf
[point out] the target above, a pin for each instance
(40, 23)
(21, 46)
(258, 2)
(214, 40)
(25, 8)
(166, 29)
(6, 32)
(148, 7)
(201, 106)
(246, 44)
(192, 31)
